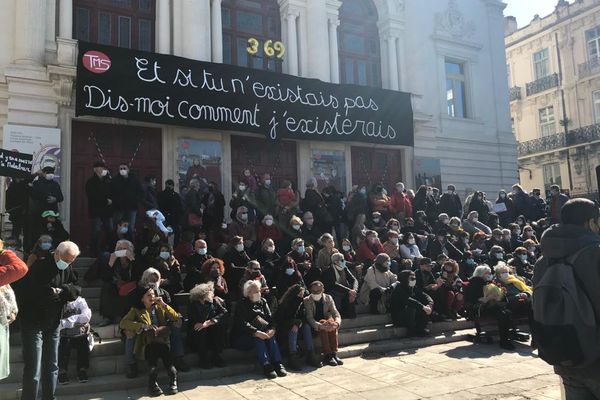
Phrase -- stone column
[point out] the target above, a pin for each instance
(163, 26)
(292, 44)
(196, 29)
(334, 58)
(65, 27)
(318, 45)
(216, 31)
(393, 62)
(30, 35)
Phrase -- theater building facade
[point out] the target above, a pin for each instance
(350, 92)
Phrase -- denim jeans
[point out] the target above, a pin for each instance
(40, 356)
(129, 348)
(306, 333)
(98, 225)
(581, 388)
(267, 351)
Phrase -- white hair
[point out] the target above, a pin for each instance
(68, 247)
(335, 257)
(312, 182)
(501, 267)
(481, 270)
(125, 242)
(147, 274)
(249, 285)
(200, 292)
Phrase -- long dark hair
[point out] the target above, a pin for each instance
(291, 293)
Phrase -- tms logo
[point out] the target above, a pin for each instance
(96, 62)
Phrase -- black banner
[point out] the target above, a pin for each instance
(164, 89)
(15, 165)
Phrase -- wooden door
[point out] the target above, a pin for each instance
(372, 166)
(264, 156)
(140, 146)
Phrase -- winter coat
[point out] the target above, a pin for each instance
(97, 191)
(375, 279)
(400, 204)
(42, 188)
(403, 297)
(251, 317)
(170, 204)
(12, 268)
(126, 193)
(450, 204)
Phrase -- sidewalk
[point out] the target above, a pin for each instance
(452, 371)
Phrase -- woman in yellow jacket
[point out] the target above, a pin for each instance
(149, 318)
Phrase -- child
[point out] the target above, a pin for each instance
(75, 332)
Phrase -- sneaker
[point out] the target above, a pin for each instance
(280, 370)
(337, 359)
(329, 360)
(132, 371)
(82, 375)
(269, 371)
(63, 377)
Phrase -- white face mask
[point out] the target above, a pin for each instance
(489, 278)
(165, 255)
(475, 219)
(411, 241)
(412, 283)
(49, 176)
(267, 182)
(268, 222)
(255, 298)
(271, 249)
(317, 297)
(202, 251)
(346, 248)
(289, 271)
(104, 172)
(394, 240)
(504, 276)
(244, 216)
(242, 188)
(123, 172)
(499, 256)
(296, 227)
(239, 247)
(523, 257)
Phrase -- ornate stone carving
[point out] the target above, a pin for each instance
(453, 22)
(63, 87)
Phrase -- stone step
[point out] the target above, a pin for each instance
(109, 358)
(114, 382)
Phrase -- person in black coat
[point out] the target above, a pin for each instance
(264, 197)
(41, 296)
(17, 205)
(441, 245)
(46, 192)
(357, 204)
(310, 231)
(341, 285)
(335, 207)
(450, 203)
(478, 204)
(50, 225)
(269, 260)
(308, 270)
(207, 325)
(170, 204)
(126, 193)
(97, 190)
(149, 197)
(214, 204)
(536, 207)
(235, 261)
(410, 307)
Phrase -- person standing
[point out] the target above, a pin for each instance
(264, 198)
(556, 201)
(17, 205)
(45, 195)
(170, 204)
(126, 193)
(214, 207)
(450, 203)
(97, 190)
(576, 241)
(41, 297)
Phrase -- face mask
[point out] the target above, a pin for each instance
(255, 298)
(154, 285)
(202, 251)
(296, 227)
(450, 191)
(499, 256)
(104, 172)
(242, 188)
(255, 274)
(223, 225)
(300, 249)
(470, 261)
(289, 271)
(239, 247)
(271, 249)
(363, 191)
(316, 297)
(123, 172)
(489, 278)
(475, 219)
(269, 222)
(394, 240)
(268, 182)
(372, 240)
(165, 255)
(507, 237)
(309, 221)
(46, 246)
(504, 276)
(394, 227)
(523, 257)
(515, 192)
(445, 221)
(502, 196)
(244, 216)
(49, 176)
(531, 249)
(346, 248)
(411, 241)
(123, 230)
(412, 283)
(376, 220)
(214, 274)
(61, 264)
(455, 226)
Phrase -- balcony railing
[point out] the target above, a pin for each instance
(589, 68)
(515, 93)
(542, 84)
(587, 134)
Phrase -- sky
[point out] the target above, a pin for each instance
(524, 10)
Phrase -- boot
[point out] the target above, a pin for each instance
(153, 388)
(172, 372)
(313, 359)
(280, 370)
(269, 371)
(294, 362)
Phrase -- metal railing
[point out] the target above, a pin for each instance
(587, 134)
(542, 84)
(589, 68)
(515, 93)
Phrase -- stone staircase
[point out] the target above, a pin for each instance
(366, 334)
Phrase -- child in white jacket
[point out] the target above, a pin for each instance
(75, 332)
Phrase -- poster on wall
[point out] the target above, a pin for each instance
(42, 143)
(329, 168)
(15, 165)
(428, 172)
(198, 159)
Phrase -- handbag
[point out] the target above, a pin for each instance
(125, 288)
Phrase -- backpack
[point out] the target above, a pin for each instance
(564, 326)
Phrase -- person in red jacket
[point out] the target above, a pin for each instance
(369, 248)
(12, 268)
(400, 204)
(268, 230)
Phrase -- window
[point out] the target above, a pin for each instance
(547, 125)
(552, 176)
(245, 19)
(592, 38)
(596, 101)
(359, 55)
(455, 89)
(541, 64)
(123, 23)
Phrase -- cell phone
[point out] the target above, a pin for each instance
(120, 253)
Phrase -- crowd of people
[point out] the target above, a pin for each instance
(282, 269)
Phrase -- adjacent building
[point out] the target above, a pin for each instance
(448, 54)
(554, 80)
